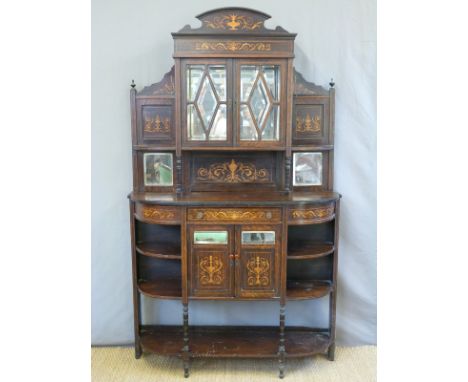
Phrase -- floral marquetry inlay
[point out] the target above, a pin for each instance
(211, 270)
(313, 213)
(157, 125)
(157, 213)
(233, 46)
(233, 215)
(258, 271)
(233, 172)
(308, 124)
(233, 22)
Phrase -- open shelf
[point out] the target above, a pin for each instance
(300, 250)
(159, 250)
(234, 341)
(307, 289)
(164, 288)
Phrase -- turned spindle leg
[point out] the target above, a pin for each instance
(282, 348)
(185, 349)
(331, 352)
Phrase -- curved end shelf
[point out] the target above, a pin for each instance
(307, 289)
(158, 250)
(304, 251)
(170, 289)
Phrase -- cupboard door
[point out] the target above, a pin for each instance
(207, 103)
(257, 265)
(260, 103)
(211, 267)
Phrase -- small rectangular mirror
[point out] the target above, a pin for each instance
(210, 237)
(307, 169)
(258, 237)
(157, 169)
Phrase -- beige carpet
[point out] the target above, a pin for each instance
(118, 364)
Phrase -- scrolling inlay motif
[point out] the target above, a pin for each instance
(258, 268)
(313, 213)
(308, 124)
(233, 22)
(157, 125)
(155, 213)
(211, 270)
(233, 215)
(233, 172)
(233, 46)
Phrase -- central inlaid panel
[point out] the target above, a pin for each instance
(230, 171)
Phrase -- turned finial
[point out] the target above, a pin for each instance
(133, 84)
(332, 83)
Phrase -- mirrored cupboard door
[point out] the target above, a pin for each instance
(260, 103)
(207, 103)
(234, 103)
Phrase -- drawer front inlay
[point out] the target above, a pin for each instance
(157, 214)
(234, 214)
(312, 214)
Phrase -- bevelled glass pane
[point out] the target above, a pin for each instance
(218, 76)
(210, 237)
(307, 169)
(247, 127)
(271, 74)
(248, 74)
(206, 102)
(259, 103)
(157, 169)
(194, 76)
(271, 130)
(219, 129)
(258, 237)
(194, 126)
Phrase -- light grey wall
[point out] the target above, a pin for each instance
(131, 40)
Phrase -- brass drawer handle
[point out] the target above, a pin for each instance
(268, 215)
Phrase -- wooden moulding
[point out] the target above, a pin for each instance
(157, 214)
(311, 214)
(235, 342)
(228, 215)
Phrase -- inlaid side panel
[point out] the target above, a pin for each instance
(311, 121)
(155, 121)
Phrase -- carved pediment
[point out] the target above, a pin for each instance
(233, 20)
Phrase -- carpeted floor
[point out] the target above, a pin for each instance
(118, 364)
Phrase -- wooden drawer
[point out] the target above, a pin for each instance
(157, 214)
(228, 215)
(310, 214)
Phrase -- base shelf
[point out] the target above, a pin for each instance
(307, 289)
(166, 288)
(235, 341)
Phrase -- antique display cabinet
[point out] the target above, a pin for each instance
(233, 190)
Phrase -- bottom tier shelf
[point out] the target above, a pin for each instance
(235, 341)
